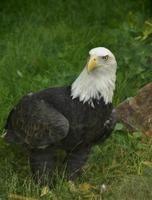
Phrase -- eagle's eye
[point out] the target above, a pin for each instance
(105, 57)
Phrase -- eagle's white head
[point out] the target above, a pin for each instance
(97, 80)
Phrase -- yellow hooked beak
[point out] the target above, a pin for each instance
(92, 63)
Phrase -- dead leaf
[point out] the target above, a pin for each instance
(85, 187)
(45, 191)
(147, 163)
(103, 188)
(72, 186)
(149, 133)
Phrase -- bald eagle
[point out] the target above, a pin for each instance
(71, 118)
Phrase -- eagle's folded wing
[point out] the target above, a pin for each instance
(38, 124)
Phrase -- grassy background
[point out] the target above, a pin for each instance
(45, 43)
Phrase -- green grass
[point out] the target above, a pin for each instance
(46, 43)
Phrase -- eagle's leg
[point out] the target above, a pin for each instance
(76, 161)
(42, 162)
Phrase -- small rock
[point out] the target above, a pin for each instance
(136, 112)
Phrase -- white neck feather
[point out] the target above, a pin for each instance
(98, 84)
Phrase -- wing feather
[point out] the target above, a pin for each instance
(36, 123)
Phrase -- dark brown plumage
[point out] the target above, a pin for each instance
(51, 119)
